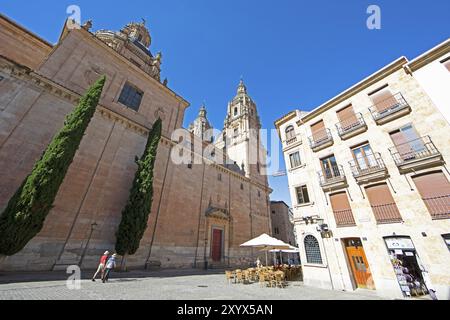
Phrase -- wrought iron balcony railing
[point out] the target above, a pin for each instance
(388, 106)
(439, 206)
(386, 213)
(291, 140)
(350, 124)
(333, 175)
(413, 150)
(320, 138)
(367, 165)
(344, 218)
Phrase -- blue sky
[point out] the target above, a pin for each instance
(291, 53)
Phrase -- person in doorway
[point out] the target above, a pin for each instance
(101, 266)
(110, 265)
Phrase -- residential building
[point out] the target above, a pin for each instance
(369, 182)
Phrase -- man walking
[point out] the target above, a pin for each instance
(101, 265)
(110, 265)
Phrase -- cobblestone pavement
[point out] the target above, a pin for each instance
(175, 284)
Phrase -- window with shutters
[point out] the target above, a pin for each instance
(131, 96)
(386, 103)
(382, 203)
(348, 120)
(312, 250)
(302, 194)
(294, 159)
(341, 209)
(321, 136)
(434, 189)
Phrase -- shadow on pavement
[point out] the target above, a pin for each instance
(132, 275)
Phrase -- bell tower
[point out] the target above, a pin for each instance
(241, 137)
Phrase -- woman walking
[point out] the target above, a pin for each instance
(101, 265)
(110, 265)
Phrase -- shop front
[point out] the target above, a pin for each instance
(409, 270)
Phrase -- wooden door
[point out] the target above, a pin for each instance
(359, 264)
(216, 254)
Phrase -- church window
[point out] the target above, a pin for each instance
(131, 96)
(312, 250)
(235, 111)
(235, 132)
(219, 177)
(242, 186)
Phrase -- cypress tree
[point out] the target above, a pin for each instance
(136, 212)
(27, 209)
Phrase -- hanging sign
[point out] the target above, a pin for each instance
(399, 243)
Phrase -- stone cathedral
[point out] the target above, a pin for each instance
(201, 211)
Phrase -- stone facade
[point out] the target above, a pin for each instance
(189, 199)
(331, 266)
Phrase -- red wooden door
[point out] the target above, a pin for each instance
(216, 245)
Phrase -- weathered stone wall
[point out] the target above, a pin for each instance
(21, 45)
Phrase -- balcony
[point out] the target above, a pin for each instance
(390, 109)
(351, 127)
(332, 179)
(320, 140)
(369, 169)
(291, 142)
(344, 218)
(416, 154)
(386, 213)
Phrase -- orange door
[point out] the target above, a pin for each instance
(359, 264)
(216, 245)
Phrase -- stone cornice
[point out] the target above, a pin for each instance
(429, 56)
(34, 37)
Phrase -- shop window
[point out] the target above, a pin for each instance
(312, 250)
(408, 266)
(131, 96)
